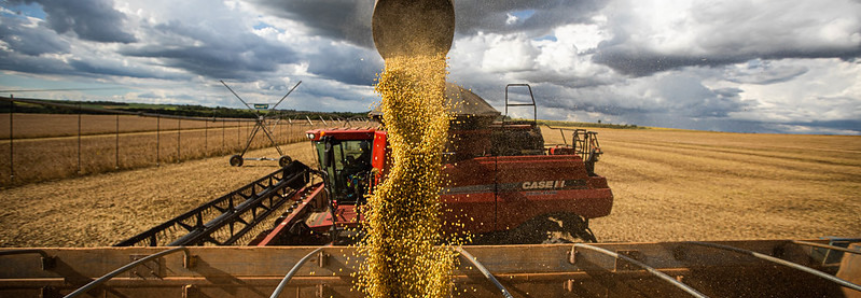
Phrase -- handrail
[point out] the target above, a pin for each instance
(826, 246)
(292, 272)
(484, 271)
(127, 267)
(532, 97)
(584, 143)
(48, 262)
(648, 268)
(783, 262)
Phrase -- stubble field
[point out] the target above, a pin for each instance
(668, 185)
(46, 147)
(690, 185)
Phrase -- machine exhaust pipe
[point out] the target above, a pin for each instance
(413, 27)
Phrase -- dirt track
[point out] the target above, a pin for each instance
(668, 185)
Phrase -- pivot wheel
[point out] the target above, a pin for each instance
(236, 161)
(284, 161)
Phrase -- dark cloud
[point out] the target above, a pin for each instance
(676, 100)
(715, 35)
(566, 79)
(662, 66)
(338, 20)
(629, 59)
(831, 125)
(33, 64)
(593, 100)
(94, 20)
(633, 61)
(105, 67)
(670, 120)
(348, 20)
(320, 91)
(763, 72)
(29, 40)
(346, 64)
(686, 96)
(539, 17)
(215, 54)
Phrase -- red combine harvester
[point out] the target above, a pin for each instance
(503, 185)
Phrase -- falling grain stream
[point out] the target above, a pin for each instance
(404, 226)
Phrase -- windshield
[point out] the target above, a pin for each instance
(351, 162)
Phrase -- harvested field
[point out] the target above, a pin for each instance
(103, 209)
(46, 146)
(29, 126)
(687, 185)
(668, 185)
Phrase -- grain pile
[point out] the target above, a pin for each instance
(404, 227)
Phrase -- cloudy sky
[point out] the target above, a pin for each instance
(787, 66)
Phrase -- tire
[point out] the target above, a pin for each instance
(553, 228)
(534, 231)
(284, 161)
(236, 161)
(577, 226)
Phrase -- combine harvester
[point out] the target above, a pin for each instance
(287, 234)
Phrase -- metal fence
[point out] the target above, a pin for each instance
(42, 147)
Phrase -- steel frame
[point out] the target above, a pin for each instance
(583, 270)
(259, 125)
(229, 218)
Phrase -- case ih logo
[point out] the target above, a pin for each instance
(529, 185)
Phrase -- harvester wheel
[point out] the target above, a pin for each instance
(574, 225)
(539, 229)
(284, 161)
(236, 160)
(577, 226)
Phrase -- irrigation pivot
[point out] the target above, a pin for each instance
(260, 125)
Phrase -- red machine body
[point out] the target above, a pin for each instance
(488, 191)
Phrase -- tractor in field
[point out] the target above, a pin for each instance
(503, 185)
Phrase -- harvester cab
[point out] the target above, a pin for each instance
(345, 156)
